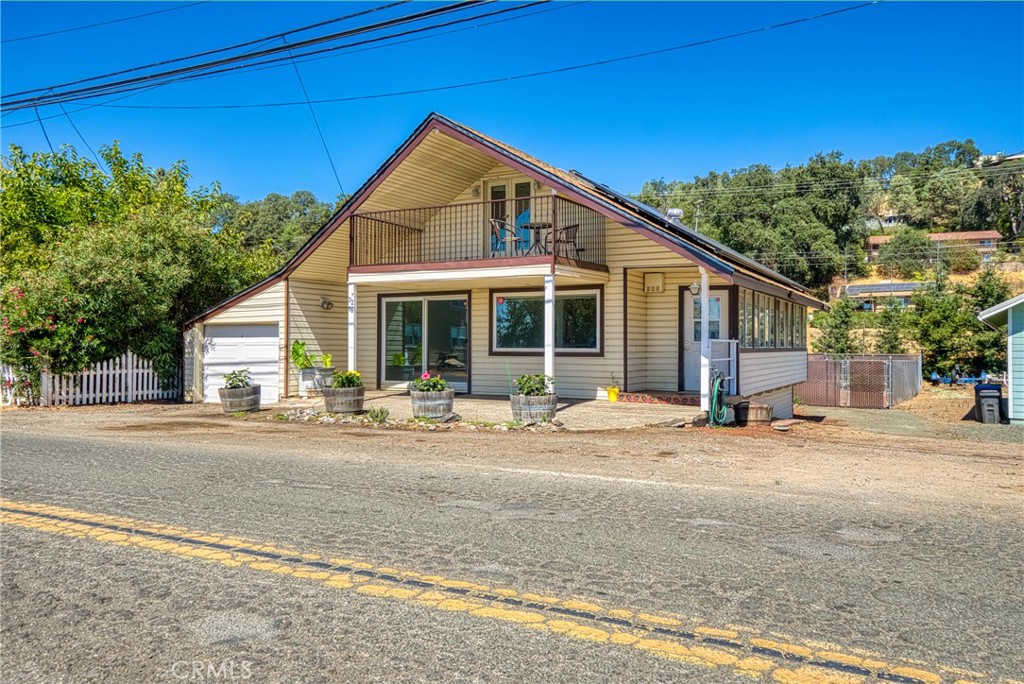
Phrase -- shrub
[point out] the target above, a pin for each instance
(378, 414)
(327, 360)
(237, 379)
(345, 379)
(430, 383)
(534, 385)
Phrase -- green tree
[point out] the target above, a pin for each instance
(907, 254)
(837, 327)
(283, 222)
(959, 257)
(943, 325)
(890, 323)
(110, 263)
(989, 345)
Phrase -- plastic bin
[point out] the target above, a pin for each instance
(988, 400)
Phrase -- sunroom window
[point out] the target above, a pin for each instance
(518, 321)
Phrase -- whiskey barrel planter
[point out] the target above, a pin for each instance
(432, 404)
(748, 413)
(344, 399)
(245, 399)
(539, 409)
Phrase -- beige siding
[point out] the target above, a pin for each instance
(265, 307)
(761, 371)
(323, 331)
(780, 399)
(637, 338)
(329, 263)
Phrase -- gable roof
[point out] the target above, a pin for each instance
(942, 237)
(883, 288)
(635, 215)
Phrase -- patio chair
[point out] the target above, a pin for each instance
(565, 243)
(504, 241)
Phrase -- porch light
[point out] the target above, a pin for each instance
(695, 288)
(325, 303)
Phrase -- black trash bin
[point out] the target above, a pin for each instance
(988, 400)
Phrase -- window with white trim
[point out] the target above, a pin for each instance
(518, 321)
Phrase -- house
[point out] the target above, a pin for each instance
(1011, 314)
(464, 256)
(985, 242)
(872, 297)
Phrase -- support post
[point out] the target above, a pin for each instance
(352, 327)
(705, 345)
(549, 327)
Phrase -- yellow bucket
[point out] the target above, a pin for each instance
(613, 394)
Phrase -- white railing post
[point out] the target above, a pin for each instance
(705, 346)
(549, 328)
(352, 294)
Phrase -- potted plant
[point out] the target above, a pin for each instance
(400, 368)
(432, 396)
(304, 364)
(614, 389)
(325, 373)
(533, 401)
(346, 393)
(238, 392)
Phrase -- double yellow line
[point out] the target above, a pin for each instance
(674, 637)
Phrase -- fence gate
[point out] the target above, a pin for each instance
(861, 380)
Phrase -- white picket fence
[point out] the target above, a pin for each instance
(124, 380)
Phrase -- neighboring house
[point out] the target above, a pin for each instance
(464, 256)
(872, 297)
(986, 242)
(1011, 314)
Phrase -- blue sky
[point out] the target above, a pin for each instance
(894, 76)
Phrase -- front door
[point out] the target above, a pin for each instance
(689, 333)
(425, 334)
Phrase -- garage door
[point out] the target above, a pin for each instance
(231, 347)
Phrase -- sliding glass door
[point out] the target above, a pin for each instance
(425, 334)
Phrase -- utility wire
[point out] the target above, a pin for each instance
(555, 8)
(207, 53)
(45, 134)
(84, 141)
(517, 77)
(312, 112)
(116, 86)
(277, 60)
(103, 23)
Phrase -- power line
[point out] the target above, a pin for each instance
(316, 123)
(84, 141)
(555, 8)
(103, 23)
(236, 46)
(45, 135)
(517, 77)
(124, 84)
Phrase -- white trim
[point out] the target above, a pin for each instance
(1001, 307)
(549, 328)
(705, 343)
(542, 295)
(1011, 394)
(392, 277)
(352, 357)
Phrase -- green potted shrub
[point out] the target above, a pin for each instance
(346, 393)
(303, 362)
(432, 396)
(400, 367)
(532, 399)
(238, 392)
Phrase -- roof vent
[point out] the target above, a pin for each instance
(675, 215)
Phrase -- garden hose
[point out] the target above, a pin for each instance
(719, 410)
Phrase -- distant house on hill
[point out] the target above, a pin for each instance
(870, 297)
(984, 241)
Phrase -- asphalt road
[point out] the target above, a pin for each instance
(742, 582)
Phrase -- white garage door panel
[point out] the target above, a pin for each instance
(232, 347)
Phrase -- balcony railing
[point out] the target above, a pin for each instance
(521, 227)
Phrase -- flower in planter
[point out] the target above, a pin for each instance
(346, 379)
(430, 383)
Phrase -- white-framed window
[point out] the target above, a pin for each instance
(517, 322)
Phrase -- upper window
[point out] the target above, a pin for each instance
(518, 321)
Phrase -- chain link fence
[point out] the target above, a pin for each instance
(860, 380)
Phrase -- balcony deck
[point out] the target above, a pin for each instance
(519, 231)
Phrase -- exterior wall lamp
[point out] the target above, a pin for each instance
(695, 288)
(325, 303)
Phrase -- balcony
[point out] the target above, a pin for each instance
(479, 234)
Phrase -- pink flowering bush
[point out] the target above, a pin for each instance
(430, 383)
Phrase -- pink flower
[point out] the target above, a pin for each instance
(35, 353)
(21, 329)
(81, 320)
(425, 376)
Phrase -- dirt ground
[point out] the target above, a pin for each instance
(923, 451)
